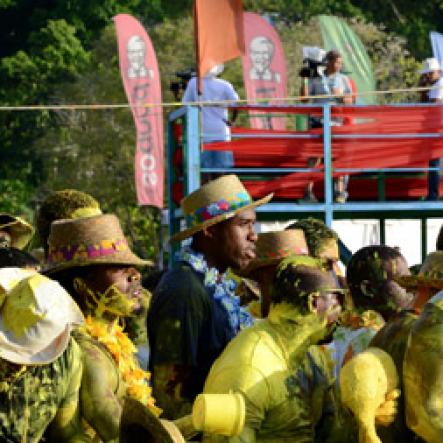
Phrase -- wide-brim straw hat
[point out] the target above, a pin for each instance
(215, 202)
(139, 424)
(88, 241)
(272, 247)
(430, 275)
(20, 231)
(36, 317)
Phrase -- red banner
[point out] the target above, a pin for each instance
(139, 71)
(264, 68)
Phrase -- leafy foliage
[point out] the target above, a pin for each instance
(15, 196)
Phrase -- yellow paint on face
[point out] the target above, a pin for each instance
(329, 250)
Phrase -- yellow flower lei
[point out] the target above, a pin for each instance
(123, 351)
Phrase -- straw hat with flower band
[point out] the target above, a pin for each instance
(96, 240)
(19, 230)
(215, 202)
(272, 247)
(36, 317)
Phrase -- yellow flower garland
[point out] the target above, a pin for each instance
(123, 351)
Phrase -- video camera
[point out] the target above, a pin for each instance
(178, 86)
(313, 62)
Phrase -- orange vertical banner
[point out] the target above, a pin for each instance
(219, 32)
(141, 79)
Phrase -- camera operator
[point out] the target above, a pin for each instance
(327, 81)
(178, 86)
(430, 76)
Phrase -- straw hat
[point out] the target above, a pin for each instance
(430, 275)
(215, 202)
(36, 317)
(20, 231)
(139, 424)
(430, 65)
(97, 240)
(271, 247)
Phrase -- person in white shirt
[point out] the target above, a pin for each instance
(215, 122)
(431, 76)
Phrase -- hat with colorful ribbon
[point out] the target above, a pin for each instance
(272, 247)
(36, 317)
(96, 240)
(215, 202)
(19, 231)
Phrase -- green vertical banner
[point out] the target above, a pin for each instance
(338, 35)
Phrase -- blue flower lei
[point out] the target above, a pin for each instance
(220, 287)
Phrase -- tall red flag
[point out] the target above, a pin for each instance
(218, 32)
(139, 71)
(264, 67)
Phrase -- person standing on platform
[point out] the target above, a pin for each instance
(215, 122)
(336, 88)
(431, 77)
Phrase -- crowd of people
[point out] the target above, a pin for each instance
(244, 339)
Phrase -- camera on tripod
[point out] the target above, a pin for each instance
(178, 86)
(313, 62)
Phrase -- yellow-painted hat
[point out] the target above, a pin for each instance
(220, 414)
(36, 317)
(215, 202)
(272, 247)
(18, 229)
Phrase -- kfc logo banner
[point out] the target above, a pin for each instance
(264, 67)
(140, 75)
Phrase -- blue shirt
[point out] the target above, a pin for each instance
(325, 84)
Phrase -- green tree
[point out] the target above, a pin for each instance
(27, 78)
(292, 11)
(17, 195)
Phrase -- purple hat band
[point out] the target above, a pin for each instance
(80, 252)
(215, 209)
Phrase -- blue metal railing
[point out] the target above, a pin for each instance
(189, 117)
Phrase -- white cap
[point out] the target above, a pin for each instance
(430, 65)
(36, 317)
(216, 70)
(314, 53)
